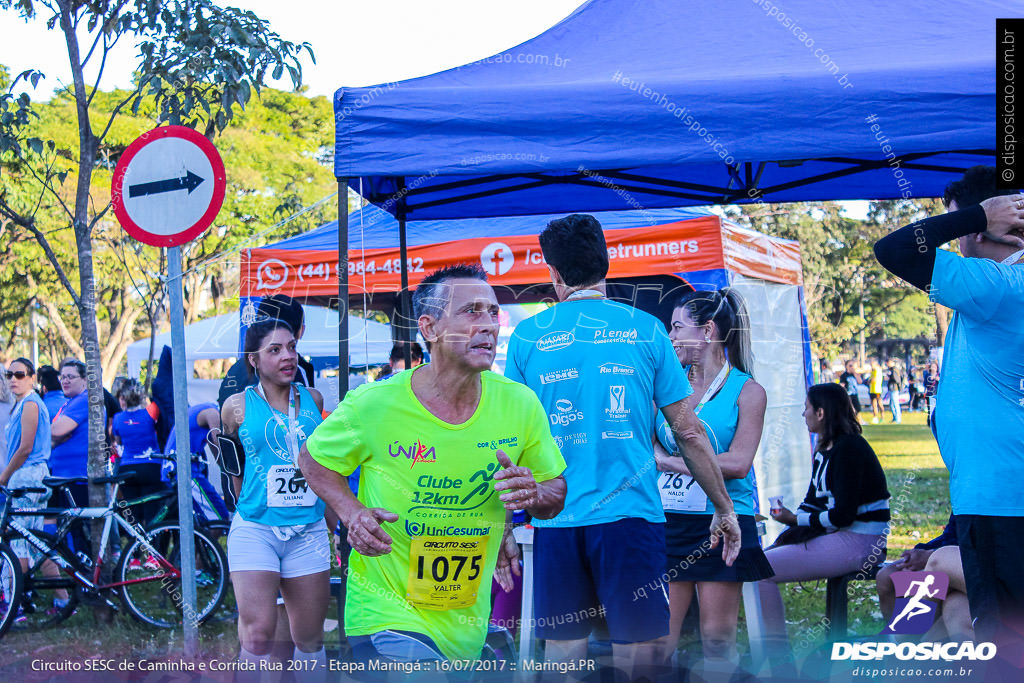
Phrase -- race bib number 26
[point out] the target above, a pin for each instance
(287, 488)
(445, 572)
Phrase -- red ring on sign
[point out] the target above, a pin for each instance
(216, 201)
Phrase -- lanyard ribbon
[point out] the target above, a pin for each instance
(1013, 258)
(715, 385)
(292, 428)
(585, 294)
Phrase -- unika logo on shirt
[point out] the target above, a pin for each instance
(417, 452)
(917, 600)
(555, 341)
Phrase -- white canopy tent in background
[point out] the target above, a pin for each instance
(369, 341)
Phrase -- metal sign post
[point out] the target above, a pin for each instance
(167, 190)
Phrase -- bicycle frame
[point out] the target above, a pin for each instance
(109, 515)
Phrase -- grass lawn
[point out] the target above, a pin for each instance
(918, 482)
(919, 486)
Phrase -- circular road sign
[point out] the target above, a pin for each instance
(168, 186)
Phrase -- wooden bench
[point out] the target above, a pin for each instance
(836, 599)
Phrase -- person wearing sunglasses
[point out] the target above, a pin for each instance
(28, 447)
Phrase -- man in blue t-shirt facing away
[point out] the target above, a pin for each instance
(979, 410)
(601, 369)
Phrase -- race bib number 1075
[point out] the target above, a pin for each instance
(445, 572)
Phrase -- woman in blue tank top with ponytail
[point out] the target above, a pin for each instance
(278, 539)
(711, 335)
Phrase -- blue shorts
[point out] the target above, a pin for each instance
(610, 572)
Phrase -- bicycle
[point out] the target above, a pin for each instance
(215, 527)
(149, 588)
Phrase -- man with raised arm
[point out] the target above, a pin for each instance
(979, 409)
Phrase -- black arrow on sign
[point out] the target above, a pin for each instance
(189, 181)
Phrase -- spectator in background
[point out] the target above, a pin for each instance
(134, 432)
(914, 389)
(49, 388)
(27, 436)
(842, 524)
(827, 374)
(979, 414)
(6, 407)
(876, 385)
(112, 404)
(397, 359)
(276, 307)
(70, 436)
(931, 387)
(850, 380)
(894, 380)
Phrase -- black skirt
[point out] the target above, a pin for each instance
(690, 558)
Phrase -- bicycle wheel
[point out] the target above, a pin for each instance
(10, 587)
(47, 601)
(149, 589)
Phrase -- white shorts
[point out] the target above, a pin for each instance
(255, 547)
(29, 476)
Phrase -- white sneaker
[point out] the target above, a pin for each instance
(874, 420)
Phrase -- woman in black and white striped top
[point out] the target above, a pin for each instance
(842, 524)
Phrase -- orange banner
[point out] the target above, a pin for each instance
(681, 247)
(755, 254)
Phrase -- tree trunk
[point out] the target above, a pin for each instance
(87, 298)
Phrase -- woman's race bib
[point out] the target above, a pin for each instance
(287, 488)
(681, 493)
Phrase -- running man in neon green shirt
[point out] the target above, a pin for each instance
(446, 452)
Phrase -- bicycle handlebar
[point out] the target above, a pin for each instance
(21, 491)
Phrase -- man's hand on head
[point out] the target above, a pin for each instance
(1005, 218)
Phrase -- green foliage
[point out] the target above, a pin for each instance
(840, 270)
(200, 65)
(273, 157)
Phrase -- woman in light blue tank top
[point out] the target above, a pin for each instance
(278, 540)
(28, 449)
(711, 335)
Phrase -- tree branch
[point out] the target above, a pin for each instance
(58, 320)
(44, 243)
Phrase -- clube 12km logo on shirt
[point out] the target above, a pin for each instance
(918, 595)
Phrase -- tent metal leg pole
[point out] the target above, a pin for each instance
(342, 288)
(405, 334)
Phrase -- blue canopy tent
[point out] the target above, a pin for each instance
(654, 103)
(639, 104)
(630, 104)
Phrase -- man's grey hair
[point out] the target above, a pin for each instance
(434, 293)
